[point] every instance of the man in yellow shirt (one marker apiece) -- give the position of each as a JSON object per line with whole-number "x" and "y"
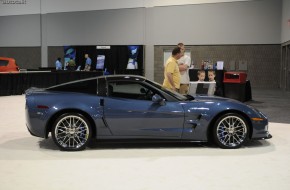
{"x": 171, "y": 70}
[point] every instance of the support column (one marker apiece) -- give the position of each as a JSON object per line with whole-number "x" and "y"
{"x": 43, "y": 34}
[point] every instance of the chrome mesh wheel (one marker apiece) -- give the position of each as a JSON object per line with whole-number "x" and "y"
{"x": 71, "y": 132}
{"x": 231, "y": 131}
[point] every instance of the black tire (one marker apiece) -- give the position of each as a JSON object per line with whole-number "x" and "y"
{"x": 231, "y": 131}
{"x": 71, "y": 132}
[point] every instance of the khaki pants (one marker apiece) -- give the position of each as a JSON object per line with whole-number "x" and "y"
{"x": 183, "y": 88}
{"x": 87, "y": 68}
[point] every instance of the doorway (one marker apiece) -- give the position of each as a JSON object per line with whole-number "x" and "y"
{"x": 285, "y": 67}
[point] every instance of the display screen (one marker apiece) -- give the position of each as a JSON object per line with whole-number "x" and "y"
{"x": 100, "y": 62}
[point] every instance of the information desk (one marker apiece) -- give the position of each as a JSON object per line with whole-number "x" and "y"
{"x": 17, "y": 83}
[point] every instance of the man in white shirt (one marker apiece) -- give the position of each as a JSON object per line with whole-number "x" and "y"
{"x": 184, "y": 64}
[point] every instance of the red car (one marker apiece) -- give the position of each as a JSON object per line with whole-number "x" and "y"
{"x": 8, "y": 65}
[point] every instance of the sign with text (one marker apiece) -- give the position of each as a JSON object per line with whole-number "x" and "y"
{"x": 103, "y": 47}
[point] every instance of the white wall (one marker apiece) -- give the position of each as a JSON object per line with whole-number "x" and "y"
{"x": 157, "y": 3}
{"x": 54, "y": 6}
{"x": 285, "y": 36}
{"x": 253, "y": 22}
{"x": 250, "y": 22}
{"x": 17, "y": 31}
{"x": 22, "y": 7}
{"x": 105, "y": 27}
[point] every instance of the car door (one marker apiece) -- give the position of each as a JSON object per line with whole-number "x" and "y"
{"x": 129, "y": 111}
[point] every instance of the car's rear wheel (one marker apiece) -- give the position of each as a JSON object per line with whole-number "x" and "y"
{"x": 71, "y": 132}
{"x": 231, "y": 131}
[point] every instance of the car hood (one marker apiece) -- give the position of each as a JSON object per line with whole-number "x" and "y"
{"x": 215, "y": 104}
{"x": 215, "y": 99}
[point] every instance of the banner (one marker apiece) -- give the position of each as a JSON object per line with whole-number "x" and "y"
{"x": 100, "y": 62}
{"x": 69, "y": 52}
{"x": 133, "y": 54}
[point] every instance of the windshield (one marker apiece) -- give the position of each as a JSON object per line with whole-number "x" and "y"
{"x": 178, "y": 96}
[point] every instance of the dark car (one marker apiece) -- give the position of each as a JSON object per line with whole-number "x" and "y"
{"x": 134, "y": 108}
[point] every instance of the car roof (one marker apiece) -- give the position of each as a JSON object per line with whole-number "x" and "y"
{"x": 125, "y": 77}
{"x": 106, "y": 77}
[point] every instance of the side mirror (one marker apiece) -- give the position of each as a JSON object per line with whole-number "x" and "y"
{"x": 143, "y": 91}
{"x": 158, "y": 99}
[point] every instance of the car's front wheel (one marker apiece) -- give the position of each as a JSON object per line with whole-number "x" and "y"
{"x": 71, "y": 132}
{"x": 231, "y": 131}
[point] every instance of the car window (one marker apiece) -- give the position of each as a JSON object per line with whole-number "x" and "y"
{"x": 170, "y": 92}
{"x": 4, "y": 62}
{"x": 130, "y": 90}
{"x": 84, "y": 86}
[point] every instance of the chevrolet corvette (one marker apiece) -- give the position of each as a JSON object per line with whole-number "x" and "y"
{"x": 127, "y": 107}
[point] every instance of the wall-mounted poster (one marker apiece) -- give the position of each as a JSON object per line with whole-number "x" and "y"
{"x": 100, "y": 62}
{"x": 133, "y": 54}
{"x": 243, "y": 65}
{"x": 69, "y": 52}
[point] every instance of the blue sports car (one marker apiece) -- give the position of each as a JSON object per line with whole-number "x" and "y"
{"x": 132, "y": 107}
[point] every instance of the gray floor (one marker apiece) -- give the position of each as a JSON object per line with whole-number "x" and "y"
{"x": 28, "y": 162}
{"x": 274, "y": 103}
